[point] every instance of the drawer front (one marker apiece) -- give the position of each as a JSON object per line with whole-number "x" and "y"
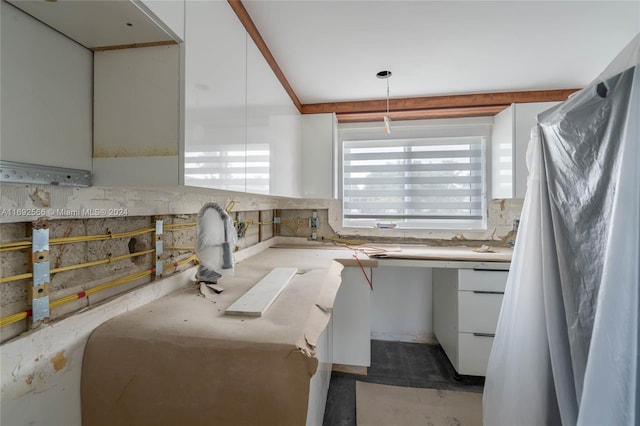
{"x": 474, "y": 354}
{"x": 478, "y": 312}
{"x": 470, "y": 279}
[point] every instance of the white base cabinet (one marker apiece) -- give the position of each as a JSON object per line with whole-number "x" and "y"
{"x": 466, "y": 306}
{"x": 351, "y": 323}
{"x": 319, "y": 385}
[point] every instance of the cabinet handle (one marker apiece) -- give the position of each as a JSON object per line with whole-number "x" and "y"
{"x": 481, "y": 269}
{"x": 484, "y": 335}
{"x": 487, "y": 292}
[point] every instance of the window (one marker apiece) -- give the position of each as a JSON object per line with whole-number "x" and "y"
{"x": 432, "y": 181}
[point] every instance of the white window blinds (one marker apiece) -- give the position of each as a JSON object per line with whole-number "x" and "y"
{"x": 412, "y": 182}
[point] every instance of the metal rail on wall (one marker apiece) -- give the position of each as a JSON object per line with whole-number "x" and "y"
{"x": 38, "y": 291}
{"x": 38, "y": 296}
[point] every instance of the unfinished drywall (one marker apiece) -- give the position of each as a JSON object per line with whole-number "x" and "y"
{"x": 296, "y": 213}
{"x": 130, "y": 231}
{"x": 77, "y": 212}
{"x": 300, "y": 223}
{"x": 178, "y": 239}
{"x": 61, "y": 202}
{"x": 253, "y": 227}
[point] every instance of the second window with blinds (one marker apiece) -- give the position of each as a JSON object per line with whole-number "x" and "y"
{"x": 428, "y": 174}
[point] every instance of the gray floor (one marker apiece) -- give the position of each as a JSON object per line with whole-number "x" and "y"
{"x": 399, "y": 364}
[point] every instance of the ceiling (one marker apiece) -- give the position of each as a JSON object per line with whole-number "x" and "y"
{"x": 331, "y": 50}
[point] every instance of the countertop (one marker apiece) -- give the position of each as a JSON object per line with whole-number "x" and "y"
{"x": 181, "y": 360}
{"x": 163, "y": 362}
{"x": 497, "y": 258}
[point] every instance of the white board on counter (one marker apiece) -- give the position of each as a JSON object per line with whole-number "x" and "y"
{"x": 257, "y": 300}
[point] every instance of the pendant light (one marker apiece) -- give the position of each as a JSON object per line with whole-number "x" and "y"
{"x": 385, "y": 75}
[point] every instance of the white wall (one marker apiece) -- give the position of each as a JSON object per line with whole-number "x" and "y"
{"x": 401, "y": 304}
{"x": 46, "y": 87}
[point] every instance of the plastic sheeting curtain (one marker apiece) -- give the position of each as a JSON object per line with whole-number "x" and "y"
{"x": 566, "y": 345}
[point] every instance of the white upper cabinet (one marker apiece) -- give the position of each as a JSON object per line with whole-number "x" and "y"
{"x": 319, "y": 138}
{"x": 502, "y": 155}
{"x": 273, "y": 131}
{"x": 242, "y": 131}
{"x": 206, "y": 112}
{"x": 168, "y": 14}
{"x": 46, "y": 94}
{"x": 215, "y": 97}
{"x": 97, "y": 24}
{"x": 509, "y": 141}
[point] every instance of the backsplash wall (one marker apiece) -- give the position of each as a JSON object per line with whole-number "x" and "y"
{"x": 177, "y": 207}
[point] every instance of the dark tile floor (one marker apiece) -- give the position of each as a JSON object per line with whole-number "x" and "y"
{"x": 399, "y": 364}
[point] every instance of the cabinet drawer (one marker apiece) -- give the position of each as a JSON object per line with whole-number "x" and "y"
{"x": 478, "y": 312}
{"x": 474, "y": 354}
{"x": 470, "y": 279}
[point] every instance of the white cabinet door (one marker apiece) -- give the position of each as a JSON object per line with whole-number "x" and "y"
{"x": 482, "y": 280}
{"x": 319, "y": 385}
{"x": 525, "y": 118}
{"x": 502, "y": 155}
{"x": 319, "y": 136}
{"x": 445, "y": 311}
{"x": 285, "y": 162}
{"x": 273, "y": 131}
{"x": 351, "y": 323}
{"x": 242, "y": 131}
{"x": 474, "y": 353}
{"x": 215, "y": 96}
{"x": 465, "y": 313}
{"x": 262, "y": 100}
{"x": 478, "y": 312}
{"x": 509, "y": 141}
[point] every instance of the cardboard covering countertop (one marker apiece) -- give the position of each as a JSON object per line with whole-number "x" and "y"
{"x": 181, "y": 360}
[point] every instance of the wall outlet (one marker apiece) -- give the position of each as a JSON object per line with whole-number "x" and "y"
{"x": 314, "y": 220}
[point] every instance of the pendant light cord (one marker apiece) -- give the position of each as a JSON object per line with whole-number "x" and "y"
{"x": 386, "y": 75}
{"x": 387, "y": 97}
